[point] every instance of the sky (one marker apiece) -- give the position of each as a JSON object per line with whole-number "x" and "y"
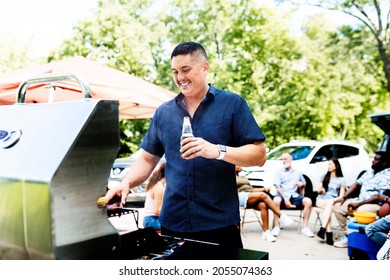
{"x": 42, "y": 24}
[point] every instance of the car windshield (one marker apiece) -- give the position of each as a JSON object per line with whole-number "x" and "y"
{"x": 297, "y": 152}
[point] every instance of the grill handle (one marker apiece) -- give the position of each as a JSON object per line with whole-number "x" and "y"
{"x": 46, "y": 78}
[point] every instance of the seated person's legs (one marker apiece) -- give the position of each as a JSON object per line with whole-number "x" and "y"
{"x": 305, "y": 202}
{"x": 325, "y": 229}
{"x": 152, "y": 221}
{"x": 307, "y": 206}
{"x": 378, "y": 230}
{"x": 264, "y": 215}
{"x": 254, "y": 198}
{"x": 255, "y": 201}
{"x": 257, "y": 197}
{"x": 278, "y": 201}
{"x": 374, "y": 208}
{"x": 276, "y": 230}
{"x": 327, "y": 205}
{"x": 341, "y": 212}
{"x": 243, "y": 199}
{"x": 266, "y": 235}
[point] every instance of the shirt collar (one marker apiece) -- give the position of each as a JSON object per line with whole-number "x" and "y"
{"x": 210, "y": 94}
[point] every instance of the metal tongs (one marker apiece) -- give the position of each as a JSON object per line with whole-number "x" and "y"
{"x": 116, "y": 209}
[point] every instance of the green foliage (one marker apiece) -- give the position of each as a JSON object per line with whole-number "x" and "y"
{"x": 131, "y": 135}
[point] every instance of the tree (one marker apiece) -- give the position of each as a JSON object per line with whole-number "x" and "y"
{"x": 373, "y": 14}
{"x": 352, "y": 88}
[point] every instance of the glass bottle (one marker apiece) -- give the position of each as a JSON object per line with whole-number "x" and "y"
{"x": 187, "y": 129}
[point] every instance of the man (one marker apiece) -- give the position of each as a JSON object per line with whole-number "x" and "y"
{"x": 370, "y": 184}
{"x": 290, "y": 186}
{"x": 201, "y": 199}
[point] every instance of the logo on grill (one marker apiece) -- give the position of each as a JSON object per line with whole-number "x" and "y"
{"x": 9, "y": 138}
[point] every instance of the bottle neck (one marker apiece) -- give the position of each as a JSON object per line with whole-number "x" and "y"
{"x": 187, "y": 129}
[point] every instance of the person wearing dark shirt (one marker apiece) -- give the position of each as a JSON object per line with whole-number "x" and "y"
{"x": 200, "y": 199}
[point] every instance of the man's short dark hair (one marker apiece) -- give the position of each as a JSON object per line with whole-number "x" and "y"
{"x": 189, "y": 48}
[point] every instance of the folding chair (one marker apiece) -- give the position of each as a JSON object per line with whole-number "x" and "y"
{"x": 244, "y": 221}
{"x": 298, "y": 217}
{"x": 318, "y": 212}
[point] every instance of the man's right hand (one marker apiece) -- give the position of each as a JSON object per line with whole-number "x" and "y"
{"x": 288, "y": 204}
{"x": 121, "y": 191}
{"x": 142, "y": 167}
{"x": 340, "y": 199}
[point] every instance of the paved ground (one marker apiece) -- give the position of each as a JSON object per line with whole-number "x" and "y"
{"x": 289, "y": 244}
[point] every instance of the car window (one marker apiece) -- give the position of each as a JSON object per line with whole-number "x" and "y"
{"x": 297, "y": 152}
{"x": 323, "y": 154}
{"x": 385, "y": 146}
{"x": 343, "y": 151}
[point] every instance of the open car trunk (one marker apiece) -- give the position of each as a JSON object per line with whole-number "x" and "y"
{"x": 383, "y": 121}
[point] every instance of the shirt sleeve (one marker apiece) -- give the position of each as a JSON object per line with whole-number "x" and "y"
{"x": 302, "y": 179}
{"x": 151, "y": 142}
{"x": 245, "y": 125}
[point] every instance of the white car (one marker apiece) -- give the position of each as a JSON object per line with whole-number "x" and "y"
{"x": 311, "y": 158}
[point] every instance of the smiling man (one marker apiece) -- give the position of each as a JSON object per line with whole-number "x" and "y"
{"x": 200, "y": 200}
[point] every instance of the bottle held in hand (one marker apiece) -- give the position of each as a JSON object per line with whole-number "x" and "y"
{"x": 187, "y": 129}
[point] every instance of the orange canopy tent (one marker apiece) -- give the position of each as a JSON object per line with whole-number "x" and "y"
{"x": 138, "y": 99}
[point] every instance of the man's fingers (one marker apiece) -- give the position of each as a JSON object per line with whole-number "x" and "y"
{"x": 124, "y": 197}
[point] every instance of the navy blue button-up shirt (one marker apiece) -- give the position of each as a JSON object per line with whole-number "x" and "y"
{"x": 201, "y": 194}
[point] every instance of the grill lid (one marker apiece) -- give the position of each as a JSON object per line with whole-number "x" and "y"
{"x": 55, "y": 161}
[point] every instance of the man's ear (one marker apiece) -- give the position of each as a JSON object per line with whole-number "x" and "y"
{"x": 205, "y": 67}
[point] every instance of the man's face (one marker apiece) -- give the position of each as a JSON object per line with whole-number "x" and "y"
{"x": 190, "y": 73}
{"x": 377, "y": 163}
{"x": 286, "y": 159}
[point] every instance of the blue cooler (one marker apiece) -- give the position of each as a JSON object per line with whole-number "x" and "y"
{"x": 359, "y": 245}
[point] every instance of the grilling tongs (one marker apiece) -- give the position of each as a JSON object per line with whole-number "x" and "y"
{"x": 115, "y": 208}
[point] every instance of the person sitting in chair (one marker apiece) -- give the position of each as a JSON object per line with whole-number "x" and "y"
{"x": 371, "y": 183}
{"x": 333, "y": 185}
{"x": 290, "y": 187}
{"x": 258, "y": 199}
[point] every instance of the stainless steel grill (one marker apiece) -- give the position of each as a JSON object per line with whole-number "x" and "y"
{"x": 55, "y": 161}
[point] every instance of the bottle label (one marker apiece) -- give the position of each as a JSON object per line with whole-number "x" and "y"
{"x": 185, "y": 135}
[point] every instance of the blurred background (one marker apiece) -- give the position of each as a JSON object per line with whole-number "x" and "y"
{"x": 308, "y": 69}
